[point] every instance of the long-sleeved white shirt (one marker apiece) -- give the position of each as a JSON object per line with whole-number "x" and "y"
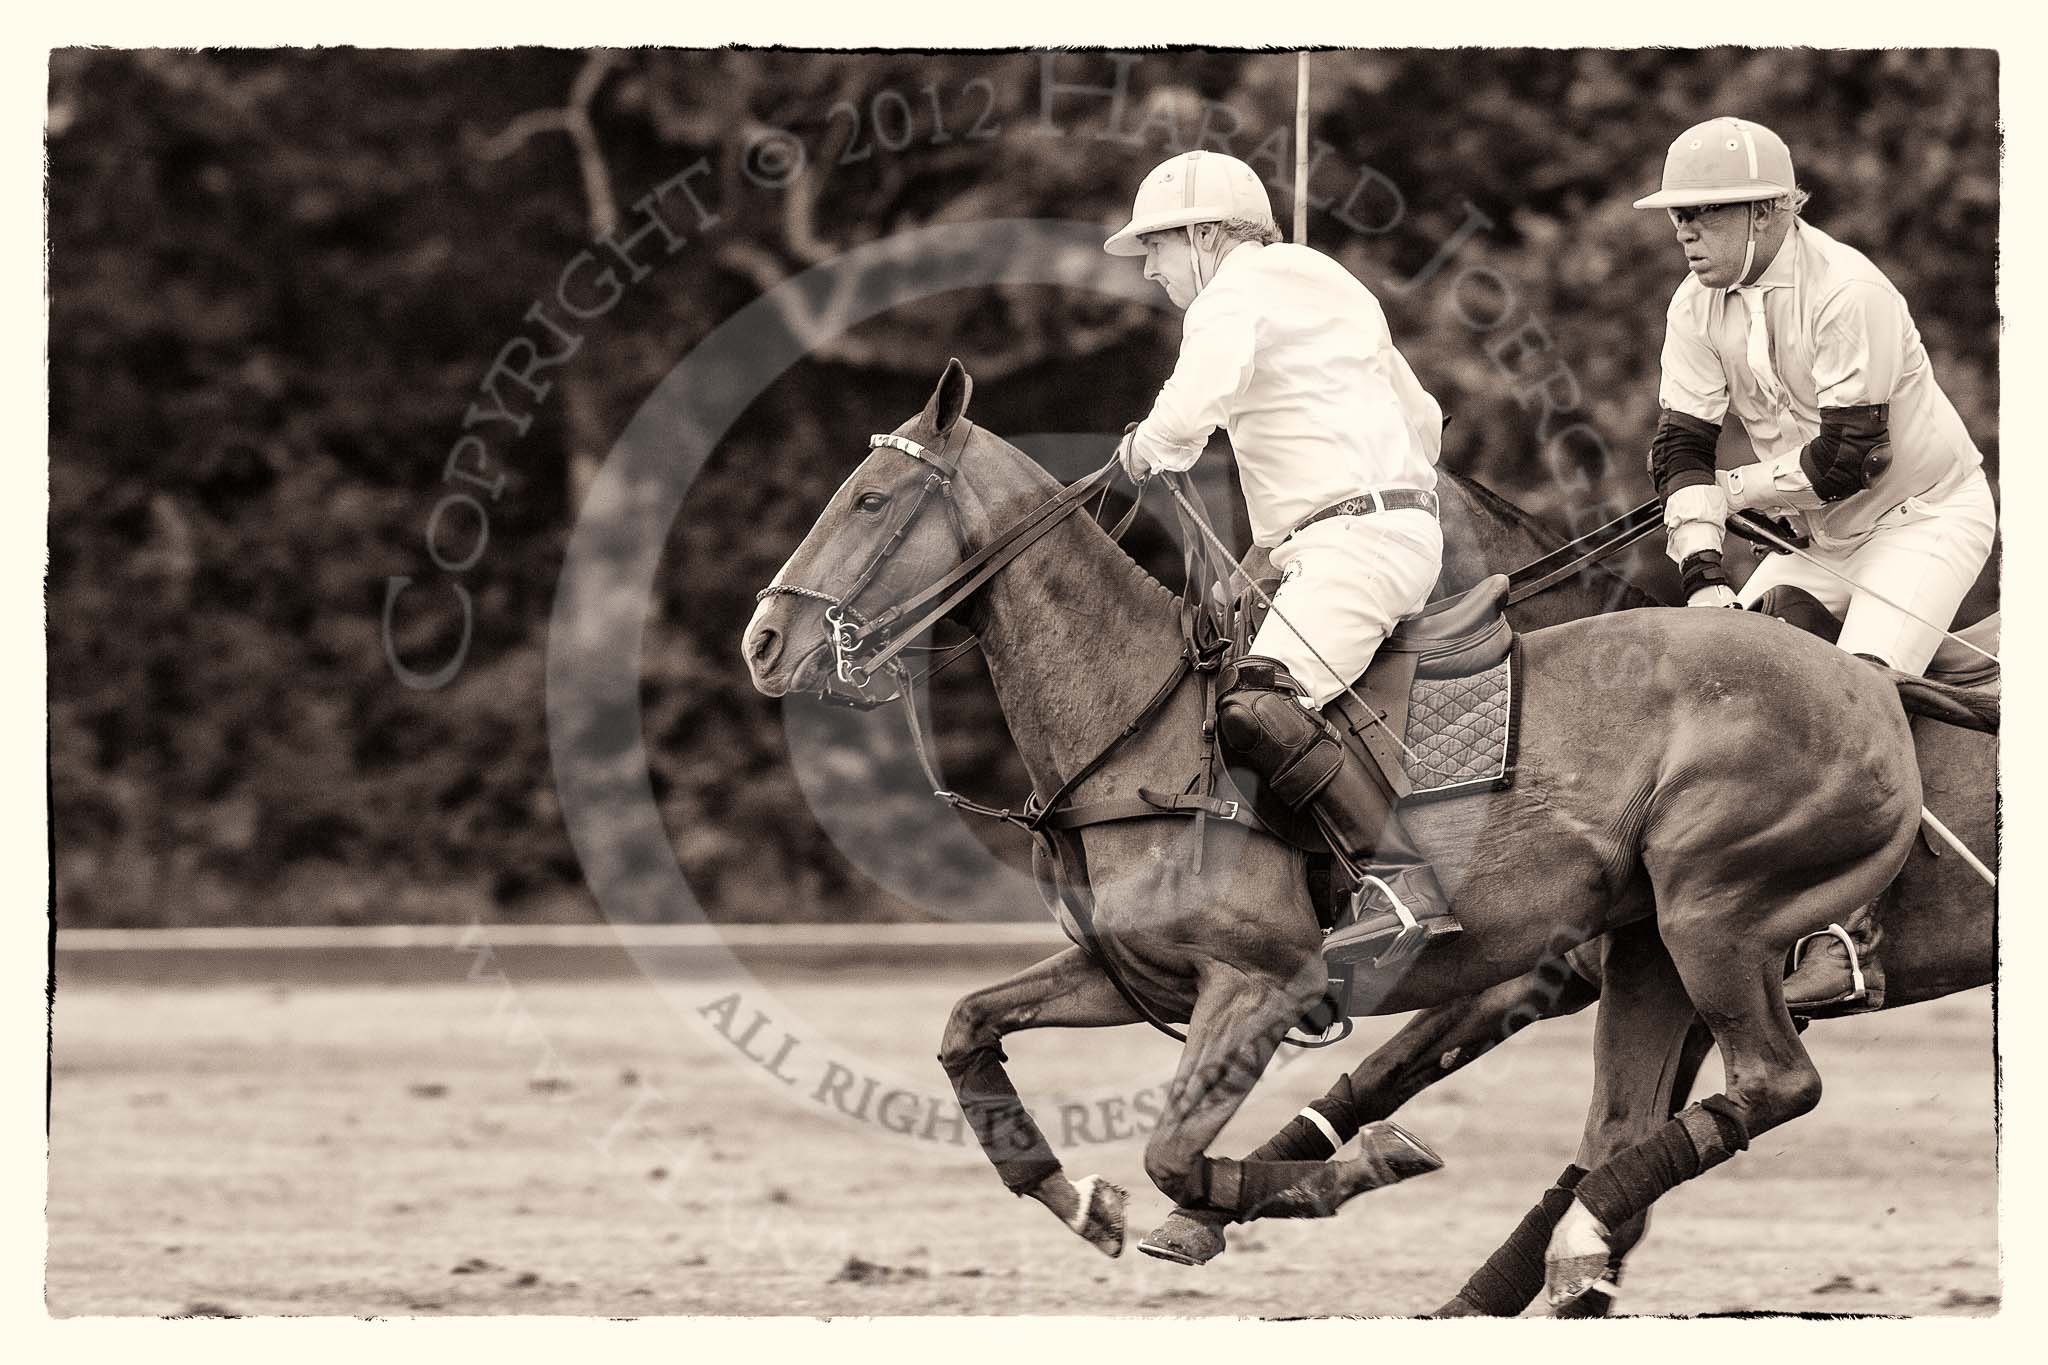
{"x": 1292, "y": 356}
{"x": 1840, "y": 336}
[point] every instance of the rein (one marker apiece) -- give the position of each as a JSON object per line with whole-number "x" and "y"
{"x": 1590, "y": 548}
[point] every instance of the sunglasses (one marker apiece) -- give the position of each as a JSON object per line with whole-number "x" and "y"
{"x": 1682, "y": 216}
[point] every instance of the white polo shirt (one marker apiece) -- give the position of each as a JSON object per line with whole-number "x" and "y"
{"x": 1841, "y": 336}
{"x": 1291, "y": 355}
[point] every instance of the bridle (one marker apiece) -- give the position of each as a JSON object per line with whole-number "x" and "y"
{"x": 849, "y": 631}
{"x": 863, "y": 646}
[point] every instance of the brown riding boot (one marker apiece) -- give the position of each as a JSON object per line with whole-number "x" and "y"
{"x": 1264, "y": 726}
{"x": 1837, "y": 971}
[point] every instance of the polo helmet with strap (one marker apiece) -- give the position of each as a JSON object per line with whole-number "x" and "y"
{"x": 1194, "y": 187}
{"x": 1723, "y": 161}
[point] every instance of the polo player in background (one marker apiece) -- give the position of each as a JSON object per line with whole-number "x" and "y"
{"x": 1857, "y": 445}
{"x": 1336, "y": 446}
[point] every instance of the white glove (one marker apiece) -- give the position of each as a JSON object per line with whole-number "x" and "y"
{"x": 1713, "y": 595}
{"x": 1127, "y": 455}
{"x": 1737, "y": 484}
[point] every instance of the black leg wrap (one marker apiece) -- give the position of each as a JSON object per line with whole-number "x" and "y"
{"x": 1698, "y": 1138}
{"x": 1513, "y": 1275}
{"x": 1275, "y": 1189}
{"x": 1253, "y": 1188}
{"x": 1009, "y": 1136}
{"x": 1303, "y": 1140}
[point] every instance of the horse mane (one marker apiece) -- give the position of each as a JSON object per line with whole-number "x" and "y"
{"x": 1141, "y": 579}
{"x": 1539, "y": 531}
{"x": 1544, "y": 535}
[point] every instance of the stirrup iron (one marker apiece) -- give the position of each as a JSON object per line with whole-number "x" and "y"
{"x": 1411, "y": 937}
{"x": 1858, "y": 988}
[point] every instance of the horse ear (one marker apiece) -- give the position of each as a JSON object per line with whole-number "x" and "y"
{"x": 949, "y": 399}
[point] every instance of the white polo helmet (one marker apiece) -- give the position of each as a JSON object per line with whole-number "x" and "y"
{"x": 1194, "y": 187}
{"x": 1723, "y": 161}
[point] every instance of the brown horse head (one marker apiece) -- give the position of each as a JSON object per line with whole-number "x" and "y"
{"x": 893, "y": 527}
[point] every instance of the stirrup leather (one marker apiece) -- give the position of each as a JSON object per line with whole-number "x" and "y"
{"x": 1857, "y": 987}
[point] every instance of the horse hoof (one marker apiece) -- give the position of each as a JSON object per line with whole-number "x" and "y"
{"x": 1596, "y": 1300}
{"x": 1387, "y": 1155}
{"x": 1457, "y": 1308}
{"x": 1405, "y": 1154}
{"x": 1185, "y": 1239}
{"x": 1575, "y": 1265}
{"x": 1099, "y": 1215}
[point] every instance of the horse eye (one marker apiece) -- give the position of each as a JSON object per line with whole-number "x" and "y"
{"x": 871, "y": 502}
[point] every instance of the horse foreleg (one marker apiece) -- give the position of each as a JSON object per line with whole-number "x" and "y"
{"x": 1433, "y": 1045}
{"x": 1066, "y": 991}
{"x": 1233, "y": 1034}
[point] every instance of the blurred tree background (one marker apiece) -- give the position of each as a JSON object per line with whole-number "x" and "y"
{"x": 278, "y": 280}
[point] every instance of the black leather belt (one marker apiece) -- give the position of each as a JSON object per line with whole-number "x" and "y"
{"x": 1391, "y": 500}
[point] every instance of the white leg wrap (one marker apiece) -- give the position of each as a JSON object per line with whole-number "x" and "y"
{"x": 1323, "y": 1125}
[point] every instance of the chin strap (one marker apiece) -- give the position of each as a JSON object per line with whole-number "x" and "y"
{"x": 1195, "y": 258}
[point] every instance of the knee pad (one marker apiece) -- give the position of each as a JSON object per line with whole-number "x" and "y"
{"x": 1798, "y": 607}
{"x": 1264, "y": 728}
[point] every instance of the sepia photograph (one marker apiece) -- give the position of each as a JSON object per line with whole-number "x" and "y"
{"x": 1163, "y": 682}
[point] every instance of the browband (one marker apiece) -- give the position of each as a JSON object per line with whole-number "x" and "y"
{"x": 914, "y": 451}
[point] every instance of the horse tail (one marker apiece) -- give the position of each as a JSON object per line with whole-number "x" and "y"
{"x": 1972, "y": 708}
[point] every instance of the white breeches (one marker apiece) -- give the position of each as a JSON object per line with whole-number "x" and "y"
{"x": 1346, "y": 582}
{"x": 1924, "y": 555}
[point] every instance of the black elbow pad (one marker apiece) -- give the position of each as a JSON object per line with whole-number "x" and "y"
{"x": 1852, "y": 451}
{"x": 1682, "y": 452}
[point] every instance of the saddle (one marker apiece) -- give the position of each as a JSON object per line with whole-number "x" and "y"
{"x": 1435, "y": 710}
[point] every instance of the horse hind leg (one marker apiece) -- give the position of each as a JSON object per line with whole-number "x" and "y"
{"x": 1740, "y": 872}
{"x": 1645, "y": 1061}
{"x": 1731, "y": 966}
{"x": 1639, "y": 1067}
{"x": 1699, "y": 1041}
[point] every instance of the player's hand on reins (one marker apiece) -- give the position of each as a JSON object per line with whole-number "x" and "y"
{"x": 1127, "y": 455}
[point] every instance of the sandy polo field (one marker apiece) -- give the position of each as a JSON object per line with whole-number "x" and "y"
{"x": 530, "y": 1142}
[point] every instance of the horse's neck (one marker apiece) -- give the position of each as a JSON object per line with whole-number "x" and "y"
{"x": 1485, "y": 534}
{"x": 1076, "y": 635}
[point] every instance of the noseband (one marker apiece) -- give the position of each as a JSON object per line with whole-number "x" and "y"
{"x": 850, "y": 632}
